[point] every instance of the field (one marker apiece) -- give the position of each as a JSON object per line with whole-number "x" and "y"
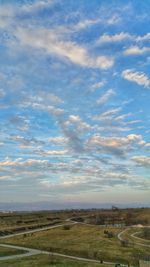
{"x": 46, "y": 261}
{"x": 91, "y": 241}
{"x": 9, "y": 251}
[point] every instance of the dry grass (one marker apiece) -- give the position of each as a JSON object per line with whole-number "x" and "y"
{"x": 81, "y": 240}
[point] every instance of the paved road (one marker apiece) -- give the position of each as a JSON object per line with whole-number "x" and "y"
{"x": 132, "y": 235}
{"x": 139, "y": 238}
{"x": 121, "y": 233}
{"x": 31, "y": 252}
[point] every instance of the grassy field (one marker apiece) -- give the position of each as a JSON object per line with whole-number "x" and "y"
{"x": 9, "y": 251}
{"x": 47, "y": 261}
{"x": 16, "y": 220}
{"x": 82, "y": 240}
{"x": 25, "y": 220}
{"x": 127, "y": 235}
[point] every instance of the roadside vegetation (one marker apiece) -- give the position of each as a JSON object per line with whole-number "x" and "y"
{"x": 10, "y": 251}
{"x": 47, "y": 261}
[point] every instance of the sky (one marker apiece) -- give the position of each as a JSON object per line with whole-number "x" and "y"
{"x": 74, "y": 101}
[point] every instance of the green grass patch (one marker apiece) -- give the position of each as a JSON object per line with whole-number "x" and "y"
{"x": 9, "y": 251}
{"x": 47, "y": 261}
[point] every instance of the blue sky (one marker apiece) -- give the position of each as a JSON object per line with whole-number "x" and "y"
{"x": 74, "y": 101}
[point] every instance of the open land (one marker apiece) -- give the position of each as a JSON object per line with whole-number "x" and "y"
{"x": 102, "y": 235}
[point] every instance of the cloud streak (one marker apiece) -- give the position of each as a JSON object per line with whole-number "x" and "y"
{"x": 52, "y": 44}
{"x": 137, "y": 77}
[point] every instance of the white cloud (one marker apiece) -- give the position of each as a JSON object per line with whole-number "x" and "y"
{"x": 115, "y": 19}
{"x": 85, "y": 24}
{"x": 135, "y": 50}
{"x": 37, "y": 5}
{"x": 50, "y": 42}
{"x": 145, "y": 37}
{"x": 105, "y": 38}
{"x": 136, "y": 138}
{"x": 142, "y": 161}
{"x": 19, "y": 162}
{"x": 74, "y": 118}
{"x": 77, "y": 122}
{"x": 111, "y": 128}
{"x": 116, "y": 145}
{"x": 97, "y": 85}
{"x": 5, "y": 177}
{"x": 138, "y": 77}
{"x": 107, "y": 114}
{"x": 55, "y": 152}
{"x": 46, "y": 96}
{"x": 57, "y": 139}
{"x": 51, "y": 109}
{"x": 105, "y": 97}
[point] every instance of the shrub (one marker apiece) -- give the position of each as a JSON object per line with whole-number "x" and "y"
{"x": 67, "y": 227}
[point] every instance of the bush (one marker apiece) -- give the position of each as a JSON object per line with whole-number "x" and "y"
{"x": 108, "y": 234}
{"x": 67, "y": 227}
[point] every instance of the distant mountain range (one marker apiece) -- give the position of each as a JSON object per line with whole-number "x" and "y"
{"x": 60, "y": 206}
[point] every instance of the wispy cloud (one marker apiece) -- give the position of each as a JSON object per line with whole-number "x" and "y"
{"x": 137, "y": 77}
{"x": 52, "y": 44}
{"x": 118, "y": 146}
{"x": 97, "y": 85}
{"x": 69, "y": 121}
{"x": 142, "y": 161}
{"x": 107, "y": 114}
{"x": 34, "y": 6}
{"x": 105, "y": 97}
{"x": 105, "y": 38}
{"x": 83, "y": 24}
{"x": 135, "y": 50}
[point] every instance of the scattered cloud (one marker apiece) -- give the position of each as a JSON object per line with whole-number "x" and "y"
{"x": 51, "y": 43}
{"x": 145, "y": 37}
{"x": 35, "y": 6}
{"x": 98, "y": 85}
{"x": 142, "y": 161}
{"x": 135, "y": 50}
{"x": 118, "y": 146}
{"x": 138, "y": 77}
{"x": 64, "y": 131}
{"x": 55, "y": 152}
{"x": 83, "y": 24}
{"x": 51, "y": 109}
{"x": 105, "y": 38}
{"x": 107, "y": 114}
{"x": 105, "y": 97}
{"x": 58, "y": 139}
{"x": 20, "y": 163}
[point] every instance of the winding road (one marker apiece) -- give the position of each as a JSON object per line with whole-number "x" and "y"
{"x": 32, "y": 252}
{"x": 134, "y": 236}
